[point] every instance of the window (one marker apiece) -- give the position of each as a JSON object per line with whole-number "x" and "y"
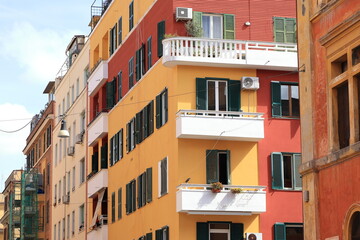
{"x": 144, "y": 125}
{"x": 131, "y": 15}
{"x": 130, "y": 135}
{"x": 48, "y": 136}
{"x": 59, "y": 191}
{"x": 54, "y": 231}
{"x": 86, "y": 75}
{"x": 104, "y": 156}
{"x": 55, "y": 192}
{"x": 285, "y": 173}
{"x": 59, "y": 230}
{"x": 60, "y": 151}
{"x": 131, "y": 197}
{"x": 215, "y": 25}
{"x": 95, "y": 162}
{"x": 63, "y": 228}
{"x": 73, "y": 223}
{"x": 82, "y": 171}
{"x": 149, "y": 52}
{"x": 356, "y": 56}
{"x": 72, "y": 94}
{"x": 218, "y": 94}
{"x": 148, "y": 236}
{"x": 218, "y": 166}
{"x": 131, "y": 72}
{"x": 77, "y": 87}
{"x": 288, "y": 231}
{"x": 284, "y": 30}
{"x": 140, "y": 63}
{"x": 110, "y": 93}
{"x": 163, "y": 177}
{"x": 144, "y": 188}
{"x": 113, "y": 207}
{"x": 68, "y": 227}
{"x": 160, "y": 36}
{"x": 48, "y": 173}
{"x": 73, "y": 179}
{"x": 67, "y": 101}
{"x": 47, "y": 211}
{"x": 81, "y": 217}
{"x": 161, "y": 108}
{"x": 162, "y": 234}
{"x": 119, "y": 203}
{"x": 68, "y": 183}
{"x": 113, "y": 40}
{"x": 64, "y": 185}
{"x": 120, "y": 31}
{"x": 56, "y": 154}
{"x": 116, "y": 147}
{"x": 219, "y": 231}
{"x": 355, "y": 226}
{"x": 119, "y": 86}
{"x": 285, "y": 99}
{"x": 343, "y": 129}
{"x": 82, "y": 122}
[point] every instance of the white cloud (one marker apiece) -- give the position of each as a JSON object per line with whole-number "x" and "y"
{"x": 12, "y": 144}
{"x": 39, "y": 52}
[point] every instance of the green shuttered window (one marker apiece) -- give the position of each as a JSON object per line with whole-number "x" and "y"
{"x": 161, "y": 108}
{"x": 285, "y": 99}
{"x": 204, "y": 230}
{"x": 162, "y": 234}
{"x": 232, "y": 94}
{"x": 285, "y": 171}
{"x": 113, "y": 207}
{"x": 119, "y": 203}
{"x": 160, "y": 36}
{"x": 284, "y": 30}
{"x": 283, "y": 231}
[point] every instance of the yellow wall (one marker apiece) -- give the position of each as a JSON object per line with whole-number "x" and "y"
{"x": 99, "y": 38}
{"x": 186, "y": 157}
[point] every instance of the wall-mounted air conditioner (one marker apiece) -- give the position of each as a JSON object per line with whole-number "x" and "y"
{"x": 253, "y": 236}
{"x": 183, "y": 13}
{"x": 79, "y": 138}
{"x": 250, "y": 83}
{"x": 66, "y": 199}
{"x": 71, "y": 151}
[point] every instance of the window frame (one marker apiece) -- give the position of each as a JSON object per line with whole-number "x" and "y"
{"x": 280, "y": 229}
{"x": 276, "y": 104}
{"x": 210, "y": 154}
{"x": 162, "y": 106}
{"x": 131, "y": 15}
{"x": 163, "y": 186}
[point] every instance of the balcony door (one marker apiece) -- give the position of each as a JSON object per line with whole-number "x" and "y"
{"x": 218, "y": 166}
{"x": 212, "y": 26}
{"x": 217, "y": 95}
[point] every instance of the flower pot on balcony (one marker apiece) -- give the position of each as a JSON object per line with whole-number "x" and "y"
{"x": 216, "y": 187}
{"x": 215, "y": 190}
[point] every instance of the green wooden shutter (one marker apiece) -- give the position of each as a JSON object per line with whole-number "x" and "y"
{"x": 148, "y": 185}
{"x": 236, "y": 231}
{"x": 160, "y": 35}
{"x": 103, "y": 156}
{"x": 197, "y": 20}
{"x": 297, "y": 178}
{"x": 167, "y": 233}
{"x": 279, "y": 231}
{"x": 212, "y": 173}
{"x": 119, "y": 203}
{"x": 158, "y": 111}
{"x": 228, "y": 166}
{"x": 149, "y": 236}
{"x": 128, "y": 198}
{"x": 113, "y": 207}
{"x": 279, "y": 29}
{"x": 202, "y": 231}
{"x": 119, "y": 87}
{"x": 110, "y": 151}
{"x": 138, "y": 128}
{"x": 158, "y": 234}
{"x": 234, "y": 95}
{"x": 163, "y": 171}
{"x": 276, "y": 99}
{"x": 128, "y": 137}
{"x": 121, "y": 141}
{"x": 166, "y": 103}
{"x": 109, "y": 95}
{"x": 290, "y": 30}
{"x": 229, "y": 26}
{"x": 137, "y": 65}
{"x": 139, "y": 195}
{"x": 201, "y": 93}
{"x": 145, "y": 127}
{"x": 133, "y": 185}
{"x": 277, "y": 172}
{"x": 151, "y": 118}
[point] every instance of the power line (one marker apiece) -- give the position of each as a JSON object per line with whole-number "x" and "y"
{"x": 17, "y": 130}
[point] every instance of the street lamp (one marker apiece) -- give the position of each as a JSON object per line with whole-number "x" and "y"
{"x": 63, "y": 133}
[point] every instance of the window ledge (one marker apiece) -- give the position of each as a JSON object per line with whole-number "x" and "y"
{"x": 287, "y": 118}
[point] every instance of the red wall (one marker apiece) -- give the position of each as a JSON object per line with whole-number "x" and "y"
{"x": 281, "y": 135}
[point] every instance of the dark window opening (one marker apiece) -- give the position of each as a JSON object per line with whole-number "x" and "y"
{"x": 355, "y": 226}
{"x": 339, "y": 66}
{"x": 356, "y": 55}
{"x": 343, "y": 115}
{"x": 287, "y": 169}
{"x": 223, "y": 168}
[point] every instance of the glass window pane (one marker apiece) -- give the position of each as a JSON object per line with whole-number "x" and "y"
{"x": 211, "y": 95}
{"x": 294, "y": 233}
{"x": 295, "y": 101}
{"x": 218, "y": 236}
{"x": 287, "y": 171}
{"x": 222, "y": 96}
{"x": 285, "y": 100}
{"x": 206, "y": 26}
{"x": 217, "y": 27}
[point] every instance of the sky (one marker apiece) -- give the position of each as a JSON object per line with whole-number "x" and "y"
{"x": 33, "y": 39}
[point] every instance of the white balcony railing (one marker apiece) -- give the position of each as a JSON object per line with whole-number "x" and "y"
{"x": 97, "y": 128}
{"x": 229, "y": 53}
{"x": 100, "y": 233}
{"x": 199, "y": 199}
{"x": 97, "y": 77}
{"x": 220, "y": 125}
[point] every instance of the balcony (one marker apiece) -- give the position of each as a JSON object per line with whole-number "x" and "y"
{"x": 97, "y": 128}
{"x": 100, "y": 233}
{"x": 229, "y": 53}
{"x": 198, "y": 199}
{"x": 97, "y": 182}
{"x": 220, "y": 125}
{"x": 97, "y": 77}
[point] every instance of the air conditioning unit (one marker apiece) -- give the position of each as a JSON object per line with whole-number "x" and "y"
{"x": 183, "y": 13}
{"x": 103, "y": 220}
{"x": 71, "y": 151}
{"x": 253, "y": 236}
{"x": 66, "y": 199}
{"x": 250, "y": 83}
{"x": 79, "y": 138}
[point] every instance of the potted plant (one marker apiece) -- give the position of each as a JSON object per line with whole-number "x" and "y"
{"x": 236, "y": 190}
{"x": 216, "y": 187}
